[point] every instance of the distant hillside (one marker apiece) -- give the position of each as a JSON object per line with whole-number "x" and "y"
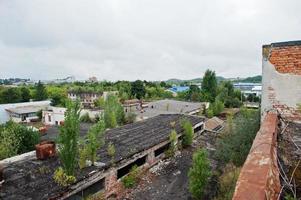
{"x": 253, "y": 79}
{"x": 175, "y": 81}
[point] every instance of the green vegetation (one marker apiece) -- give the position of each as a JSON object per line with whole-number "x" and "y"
{"x": 209, "y": 86}
{"x": 16, "y": 139}
{"x": 93, "y": 141}
{"x": 114, "y": 113}
{"x": 69, "y": 137}
{"x": 227, "y": 182}
{"x": 253, "y": 79}
{"x": 131, "y": 179}
{"x": 130, "y": 118}
{"x": 111, "y": 149}
{"x": 138, "y": 89}
{"x": 235, "y": 144}
{"x": 199, "y": 173}
{"x": 215, "y": 108}
{"x": 85, "y": 118}
{"x": 188, "y": 133}
{"x": 40, "y": 93}
{"x": 61, "y": 178}
{"x": 172, "y": 144}
{"x": 14, "y": 94}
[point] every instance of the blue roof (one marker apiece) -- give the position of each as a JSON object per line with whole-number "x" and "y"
{"x": 179, "y": 88}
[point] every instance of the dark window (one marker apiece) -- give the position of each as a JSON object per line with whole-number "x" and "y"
{"x": 161, "y": 150}
{"x": 99, "y": 186}
{"x": 126, "y": 169}
{"x": 198, "y": 128}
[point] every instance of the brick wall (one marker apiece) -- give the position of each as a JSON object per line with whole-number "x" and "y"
{"x": 286, "y": 59}
{"x": 259, "y": 177}
{"x": 281, "y": 81}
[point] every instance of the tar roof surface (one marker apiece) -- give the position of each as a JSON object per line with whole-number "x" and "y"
{"x": 168, "y": 106}
{"x": 32, "y": 179}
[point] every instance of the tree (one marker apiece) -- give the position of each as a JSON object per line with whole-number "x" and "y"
{"x": 41, "y": 93}
{"x": 199, "y": 174}
{"x": 95, "y": 139}
{"x": 25, "y": 94}
{"x": 16, "y": 139}
{"x": 194, "y": 93}
{"x": 11, "y": 95}
{"x": 68, "y": 138}
{"x": 209, "y": 86}
{"x": 188, "y": 133}
{"x": 138, "y": 89}
{"x": 113, "y": 112}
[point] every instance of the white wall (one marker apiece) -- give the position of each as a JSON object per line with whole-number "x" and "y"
{"x": 4, "y": 115}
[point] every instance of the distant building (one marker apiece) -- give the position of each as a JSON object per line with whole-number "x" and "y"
{"x": 21, "y": 112}
{"x": 56, "y": 115}
{"x": 53, "y": 115}
{"x": 175, "y": 89}
{"x": 249, "y": 88}
{"x": 93, "y": 79}
{"x": 214, "y": 124}
{"x": 167, "y": 106}
{"x": 87, "y": 99}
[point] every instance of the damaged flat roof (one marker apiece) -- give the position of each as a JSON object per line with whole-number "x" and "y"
{"x": 33, "y": 179}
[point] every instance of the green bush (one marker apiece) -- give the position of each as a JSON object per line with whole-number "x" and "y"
{"x": 16, "y": 139}
{"x": 173, "y": 144}
{"x": 132, "y": 178}
{"x": 227, "y": 182}
{"x": 94, "y": 140}
{"x": 199, "y": 174}
{"x": 61, "y": 178}
{"x": 188, "y": 133}
{"x": 234, "y": 146}
{"x": 210, "y": 113}
{"x": 86, "y": 118}
{"x": 113, "y": 112}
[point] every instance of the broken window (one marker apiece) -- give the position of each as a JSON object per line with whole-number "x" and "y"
{"x": 93, "y": 190}
{"x": 198, "y": 128}
{"x": 126, "y": 169}
{"x": 161, "y": 150}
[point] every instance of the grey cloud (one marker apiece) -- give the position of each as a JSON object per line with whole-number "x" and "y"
{"x": 146, "y": 39}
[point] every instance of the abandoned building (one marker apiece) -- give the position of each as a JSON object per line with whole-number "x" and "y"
{"x": 214, "y": 124}
{"x": 86, "y": 98}
{"x": 169, "y": 106}
{"x": 272, "y": 168}
{"x": 142, "y": 143}
{"x": 21, "y": 112}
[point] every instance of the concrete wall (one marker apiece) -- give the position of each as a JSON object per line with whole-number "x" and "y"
{"x": 4, "y": 115}
{"x": 281, "y": 81}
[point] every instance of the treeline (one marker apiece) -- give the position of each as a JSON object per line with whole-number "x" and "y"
{"x": 23, "y": 94}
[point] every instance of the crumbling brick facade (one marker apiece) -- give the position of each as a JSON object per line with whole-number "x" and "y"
{"x": 286, "y": 59}
{"x": 281, "y": 82}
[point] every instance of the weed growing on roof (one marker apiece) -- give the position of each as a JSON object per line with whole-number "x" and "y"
{"x": 173, "y": 144}
{"x": 199, "y": 173}
{"x": 68, "y": 138}
{"x": 188, "y": 133}
{"x": 61, "y": 178}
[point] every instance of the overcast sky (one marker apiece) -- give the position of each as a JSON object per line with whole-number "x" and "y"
{"x": 141, "y": 39}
